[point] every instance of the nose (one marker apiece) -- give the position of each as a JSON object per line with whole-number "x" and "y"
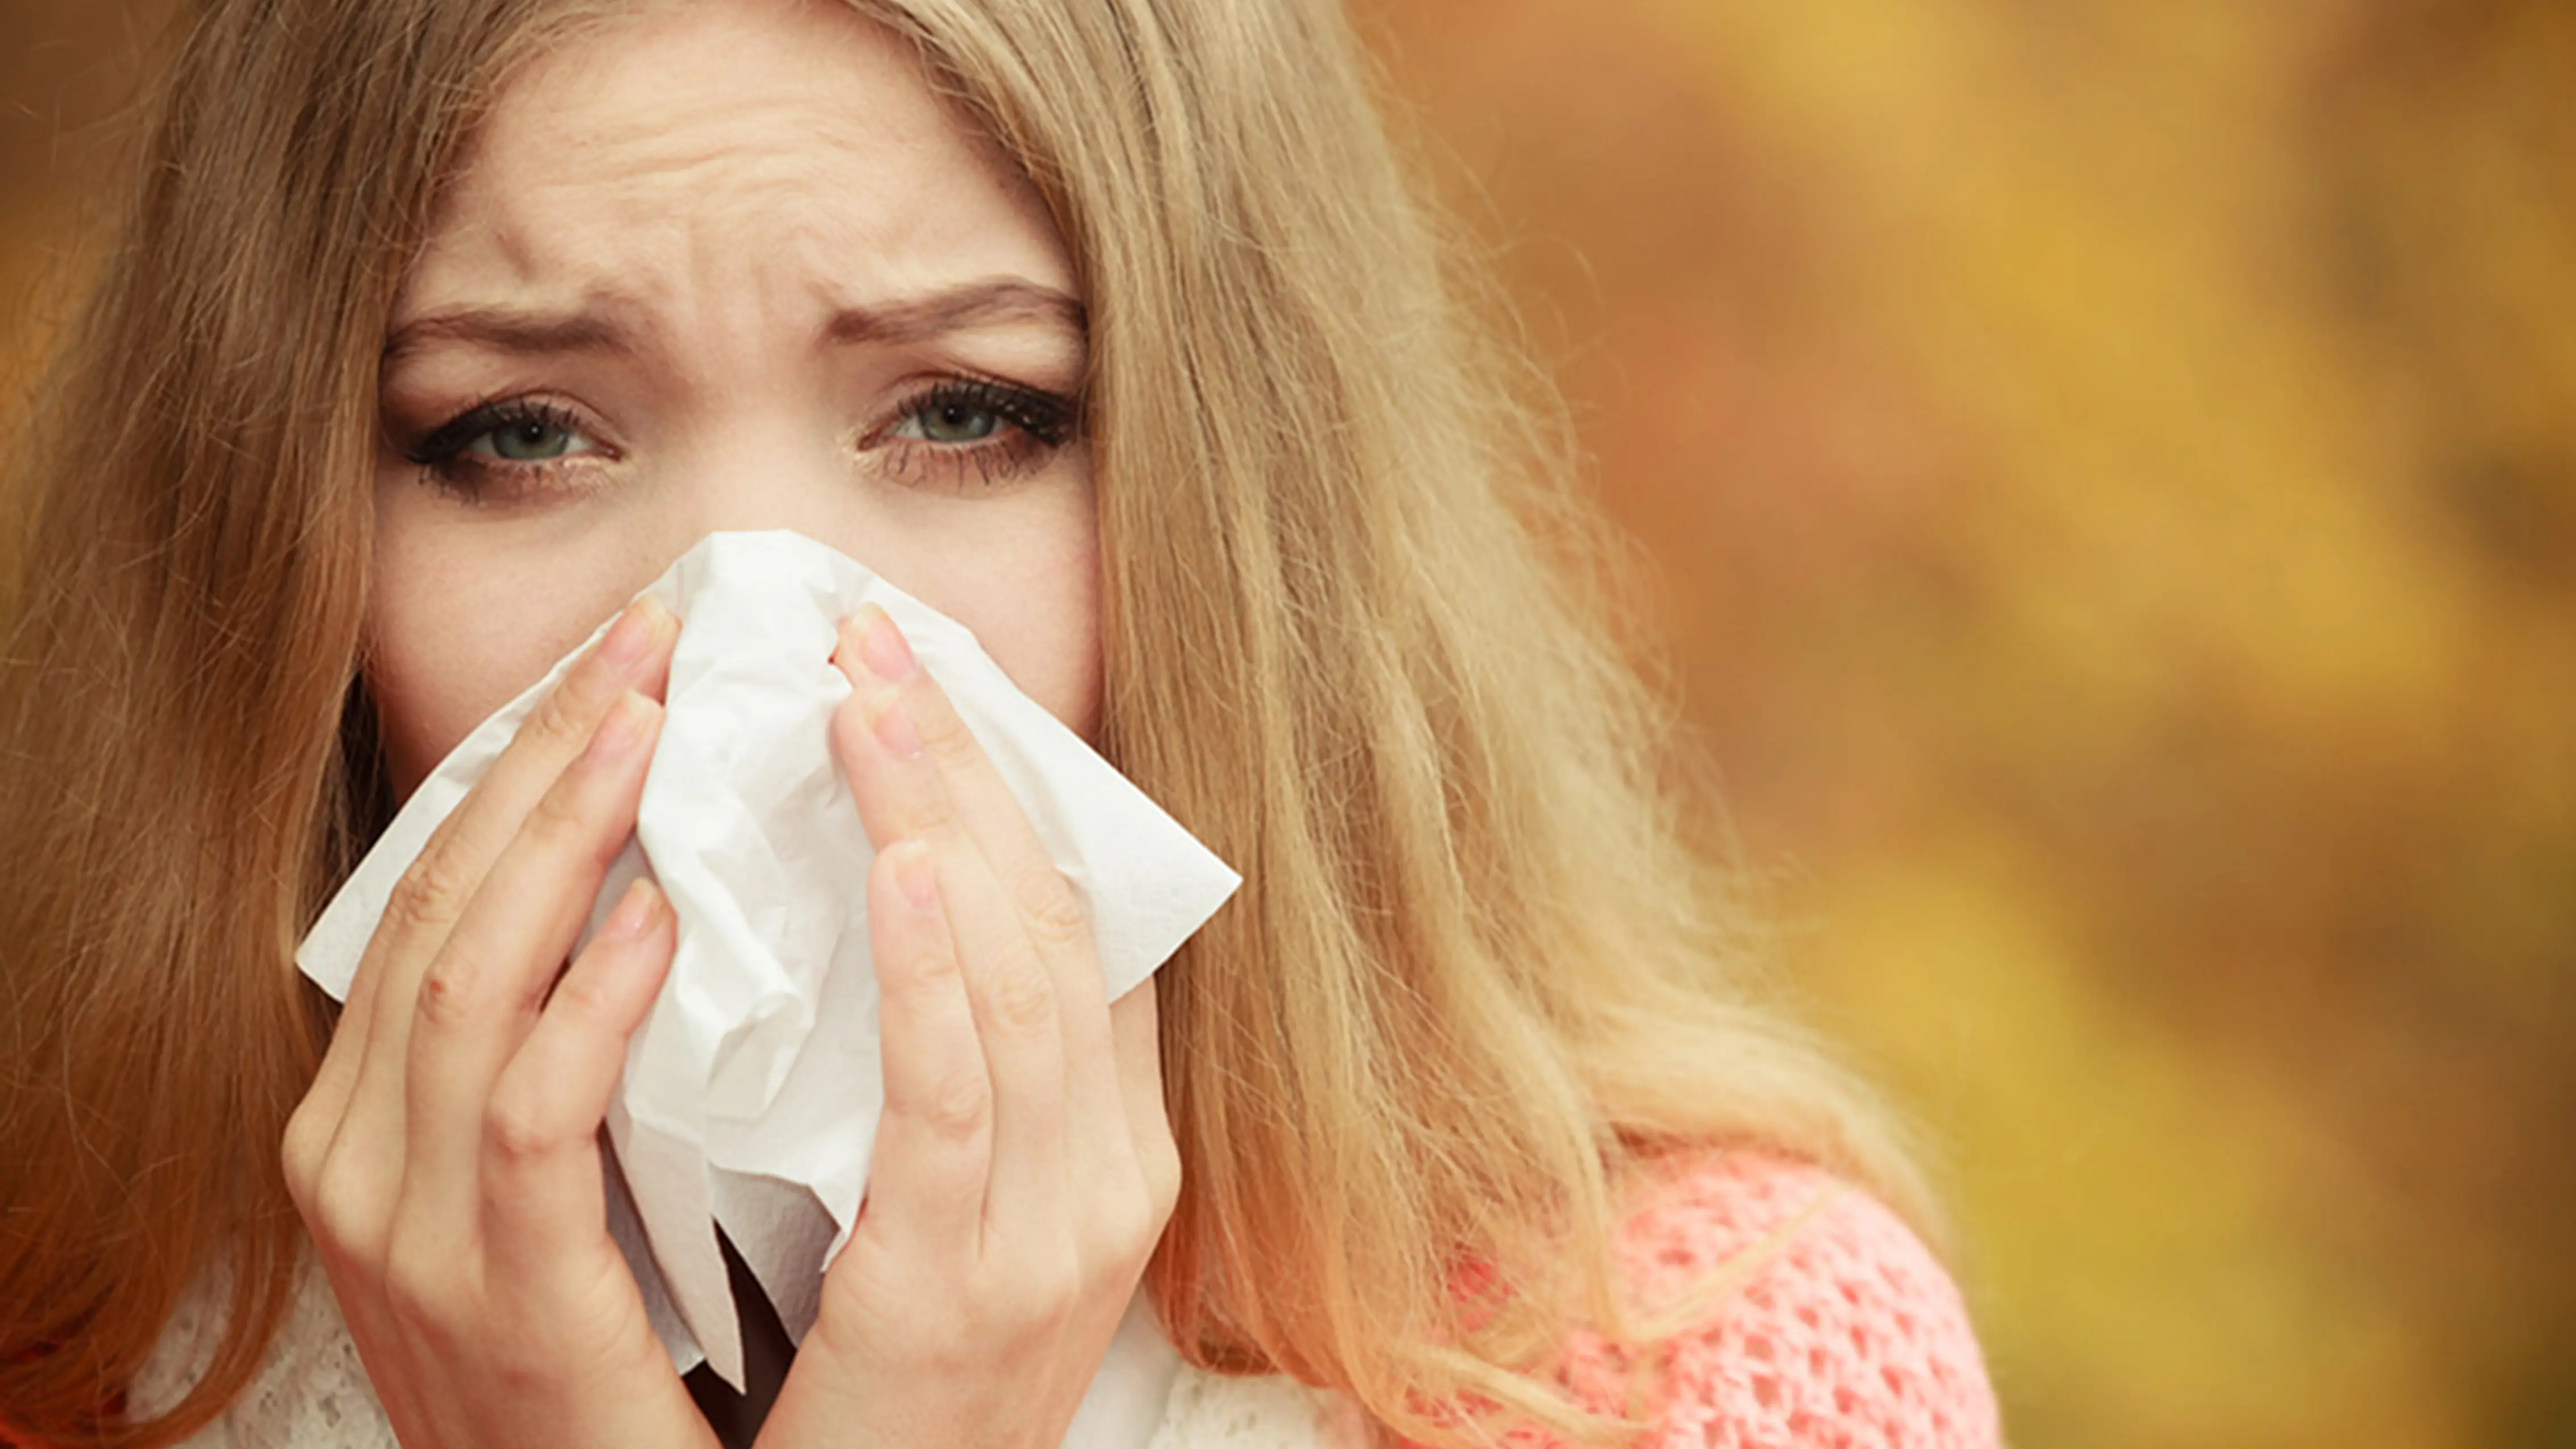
{"x": 767, "y": 471}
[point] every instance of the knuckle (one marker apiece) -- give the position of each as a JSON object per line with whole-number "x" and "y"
{"x": 339, "y": 1210}
{"x": 1050, "y": 906}
{"x": 416, "y": 1287}
{"x": 517, "y": 1132}
{"x": 931, "y": 814}
{"x": 1019, "y": 994}
{"x": 930, "y": 970}
{"x": 849, "y": 727}
{"x": 560, "y": 820}
{"x": 582, "y": 996}
{"x": 450, "y": 990}
{"x": 300, "y": 1152}
{"x": 327, "y": 1220}
{"x": 429, "y": 897}
{"x": 563, "y": 719}
{"x": 337, "y": 1180}
{"x": 334, "y": 1228}
{"x": 944, "y": 736}
{"x": 956, "y": 1108}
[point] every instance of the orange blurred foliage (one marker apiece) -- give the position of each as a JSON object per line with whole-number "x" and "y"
{"x": 2110, "y": 473}
{"x": 2113, "y": 469}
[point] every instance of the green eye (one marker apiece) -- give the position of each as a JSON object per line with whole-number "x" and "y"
{"x": 501, "y": 450}
{"x": 531, "y": 440}
{"x": 967, "y": 430}
{"x": 958, "y": 422}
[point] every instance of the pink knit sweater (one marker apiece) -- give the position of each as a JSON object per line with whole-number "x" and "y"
{"x": 1846, "y": 1335}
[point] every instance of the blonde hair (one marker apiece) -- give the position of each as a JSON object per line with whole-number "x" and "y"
{"x": 1477, "y": 973}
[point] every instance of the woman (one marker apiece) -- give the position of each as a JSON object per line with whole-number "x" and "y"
{"x": 1107, "y": 328}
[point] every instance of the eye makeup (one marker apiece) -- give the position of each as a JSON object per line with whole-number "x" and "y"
{"x": 957, "y": 433}
{"x": 505, "y": 449}
{"x": 961, "y": 433}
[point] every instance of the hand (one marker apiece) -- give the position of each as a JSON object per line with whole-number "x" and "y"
{"x": 1023, "y": 1168}
{"x": 446, "y": 1161}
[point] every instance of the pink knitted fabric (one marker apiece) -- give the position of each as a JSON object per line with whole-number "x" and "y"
{"x": 1846, "y": 1335}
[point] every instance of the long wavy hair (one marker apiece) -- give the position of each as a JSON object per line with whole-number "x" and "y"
{"x": 1477, "y": 974}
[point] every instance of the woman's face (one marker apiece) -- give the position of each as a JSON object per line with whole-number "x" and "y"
{"x": 725, "y": 266}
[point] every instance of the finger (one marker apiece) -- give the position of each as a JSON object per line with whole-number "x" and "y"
{"x": 347, "y": 1139}
{"x": 929, "y": 1169}
{"x": 1135, "y": 1025}
{"x": 908, "y": 703}
{"x": 1009, "y": 988}
{"x": 481, "y": 997}
{"x": 881, "y": 666}
{"x": 635, "y": 654}
{"x": 542, "y": 1196}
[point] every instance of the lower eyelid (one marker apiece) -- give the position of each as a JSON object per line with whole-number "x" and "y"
{"x": 917, "y": 463}
{"x": 482, "y": 479}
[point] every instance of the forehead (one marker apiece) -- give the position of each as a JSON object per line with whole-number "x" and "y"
{"x": 788, "y": 144}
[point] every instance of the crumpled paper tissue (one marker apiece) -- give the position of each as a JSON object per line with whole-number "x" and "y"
{"x": 751, "y": 1092}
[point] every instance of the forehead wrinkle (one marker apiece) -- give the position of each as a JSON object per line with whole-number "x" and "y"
{"x": 631, "y": 177}
{"x": 759, "y": 181}
{"x": 753, "y": 219}
{"x": 589, "y": 119}
{"x": 747, "y": 176}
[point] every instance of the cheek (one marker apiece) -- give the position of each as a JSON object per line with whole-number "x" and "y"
{"x": 1052, "y": 652}
{"x": 454, "y": 635}
{"x": 1033, "y": 603}
{"x": 1020, "y": 569}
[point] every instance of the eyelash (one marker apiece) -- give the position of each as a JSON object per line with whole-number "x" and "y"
{"x": 446, "y": 465}
{"x": 1037, "y": 425}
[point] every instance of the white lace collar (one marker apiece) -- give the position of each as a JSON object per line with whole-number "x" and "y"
{"x": 312, "y": 1393}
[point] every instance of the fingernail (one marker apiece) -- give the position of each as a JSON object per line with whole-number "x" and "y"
{"x": 631, "y": 637}
{"x": 881, "y": 645}
{"x": 893, "y": 727}
{"x": 913, "y": 875}
{"x": 624, "y": 728}
{"x": 635, "y": 912}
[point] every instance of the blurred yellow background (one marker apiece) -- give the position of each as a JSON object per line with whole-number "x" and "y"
{"x": 2110, "y": 471}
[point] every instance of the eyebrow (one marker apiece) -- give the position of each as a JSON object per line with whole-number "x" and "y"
{"x": 976, "y": 304}
{"x": 597, "y": 328}
{"x": 509, "y": 329}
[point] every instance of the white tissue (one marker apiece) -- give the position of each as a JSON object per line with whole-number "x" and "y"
{"x": 752, "y": 1091}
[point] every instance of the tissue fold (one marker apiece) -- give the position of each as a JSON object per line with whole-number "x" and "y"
{"x": 752, "y": 1091}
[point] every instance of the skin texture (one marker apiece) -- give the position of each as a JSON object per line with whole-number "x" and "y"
{"x": 700, "y": 239}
